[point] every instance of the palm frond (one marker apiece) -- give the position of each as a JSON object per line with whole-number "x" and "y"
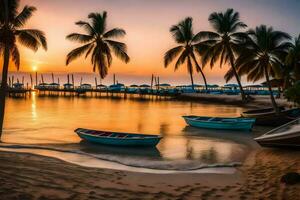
{"x": 119, "y": 49}
{"x": 87, "y": 27}
{"x": 181, "y": 60}
{"x": 98, "y": 22}
{"x": 114, "y": 33}
{"x": 76, "y": 53}
{"x": 23, "y": 16}
{"x": 172, "y": 54}
{"x": 206, "y": 35}
{"x": 99, "y": 62}
{"x": 229, "y": 75}
{"x": 177, "y": 34}
{"x": 78, "y": 37}
{"x": 15, "y": 56}
{"x": 32, "y": 38}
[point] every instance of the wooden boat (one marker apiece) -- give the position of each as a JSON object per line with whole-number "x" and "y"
{"x": 220, "y": 122}
{"x": 118, "y": 139}
{"x": 287, "y": 135}
{"x": 268, "y": 117}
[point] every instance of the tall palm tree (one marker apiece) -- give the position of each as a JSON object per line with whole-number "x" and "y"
{"x": 224, "y": 44}
{"x": 98, "y": 42}
{"x": 266, "y": 49}
{"x": 293, "y": 58}
{"x": 12, "y": 30}
{"x": 186, "y": 50}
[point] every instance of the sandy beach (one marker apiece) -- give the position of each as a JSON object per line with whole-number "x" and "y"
{"x": 27, "y": 176}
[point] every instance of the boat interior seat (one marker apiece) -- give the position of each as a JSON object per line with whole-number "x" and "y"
{"x": 106, "y": 134}
{"x": 212, "y": 119}
{"x": 121, "y": 136}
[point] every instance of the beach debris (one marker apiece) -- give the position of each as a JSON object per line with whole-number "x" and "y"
{"x": 290, "y": 178}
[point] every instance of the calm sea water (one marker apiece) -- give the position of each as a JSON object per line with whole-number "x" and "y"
{"x": 48, "y": 123}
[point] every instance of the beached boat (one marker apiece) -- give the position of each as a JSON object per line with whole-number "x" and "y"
{"x": 118, "y": 139}
{"x": 220, "y": 122}
{"x": 268, "y": 117}
{"x": 287, "y": 135}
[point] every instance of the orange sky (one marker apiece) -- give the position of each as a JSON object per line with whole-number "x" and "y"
{"x": 147, "y": 25}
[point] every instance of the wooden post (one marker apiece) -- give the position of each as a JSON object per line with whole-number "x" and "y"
{"x": 36, "y": 78}
{"x": 73, "y": 81}
{"x": 114, "y": 79}
{"x": 52, "y": 77}
{"x": 23, "y": 80}
{"x": 68, "y": 77}
{"x": 31, "y": 81}
{"x": 9, "y": 81}
{"x": 96, "y": 82}
{"x": 80, "y": 81}
{"x": 42, "y": 78}
{"x": 152, "y": 77}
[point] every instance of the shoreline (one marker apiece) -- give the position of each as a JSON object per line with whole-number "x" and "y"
{"x": 255, "y": 102}
{"x": 28, "y": 176}
{"x": 91, "y": 162}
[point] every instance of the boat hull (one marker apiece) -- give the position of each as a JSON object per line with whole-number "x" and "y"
{"x": 219, "y": 125}
{"x": 143, "y": 142}
{"x": 270, "y": 118}
{"x": 280, "y": 141}
{"x": 290, "y": 142}
{"x": 287, "y": 135}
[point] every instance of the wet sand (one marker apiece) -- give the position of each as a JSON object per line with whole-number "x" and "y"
{"x": 27, "y": 176}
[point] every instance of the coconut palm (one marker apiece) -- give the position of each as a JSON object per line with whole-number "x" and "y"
{"x": 98, "y": 42}
{"x": 12, "y": 30}
{"x": 293, "y": 58}
{"x": 186, "y": 51}
{"x": 224, "y": 44}
{"x": 263, "y": 58}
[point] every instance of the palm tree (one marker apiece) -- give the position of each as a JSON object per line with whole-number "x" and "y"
{"x": 266, "y": 49}
{"x": 12, "y": 31}
{"x": 99, "y": 43}
{"x": 187, "y": 49}
{"x": 225, "y": 43}
{"x": 293, "y": 58}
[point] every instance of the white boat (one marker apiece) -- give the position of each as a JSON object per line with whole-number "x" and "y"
{"x": 287, "y": 135}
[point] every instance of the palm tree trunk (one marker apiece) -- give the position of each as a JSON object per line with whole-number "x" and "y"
{"x": 3, "y": 88}
{"x": 190, "y": 69}
{"x": 271, "y": 92}
{"x": 200, "y": 70}
{"x": 192, "y": 80}
{"x": 237, "y": 78}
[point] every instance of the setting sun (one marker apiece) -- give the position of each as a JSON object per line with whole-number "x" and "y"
{"x": 34, "y": 68}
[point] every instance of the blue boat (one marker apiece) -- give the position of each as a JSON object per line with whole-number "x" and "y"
{"x": 118, "y": 139}
{"x": 220, "y": 122}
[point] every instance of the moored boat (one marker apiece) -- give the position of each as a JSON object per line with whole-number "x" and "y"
{"x": 268, "y": 117}
{"x": 220, "y": 122}
{"x": 118, "y": 139}
{"x": 287, "y": 135}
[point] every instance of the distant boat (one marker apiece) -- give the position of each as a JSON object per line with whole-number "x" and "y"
{"x": 268, "y": 117}
{"x": 287, "y": 135}
{"x": 220, "y": 122}
{"x": 118, "y": 139}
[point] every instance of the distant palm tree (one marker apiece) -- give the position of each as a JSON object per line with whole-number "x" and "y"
{"x": 266, "y": 49}
{"x": 11, "y": 32}
{"x": 187, "y": 49}
{"x": 293, "y": 58}
{"x": 225, "y": 43}
{"x": 99, "y": 43}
